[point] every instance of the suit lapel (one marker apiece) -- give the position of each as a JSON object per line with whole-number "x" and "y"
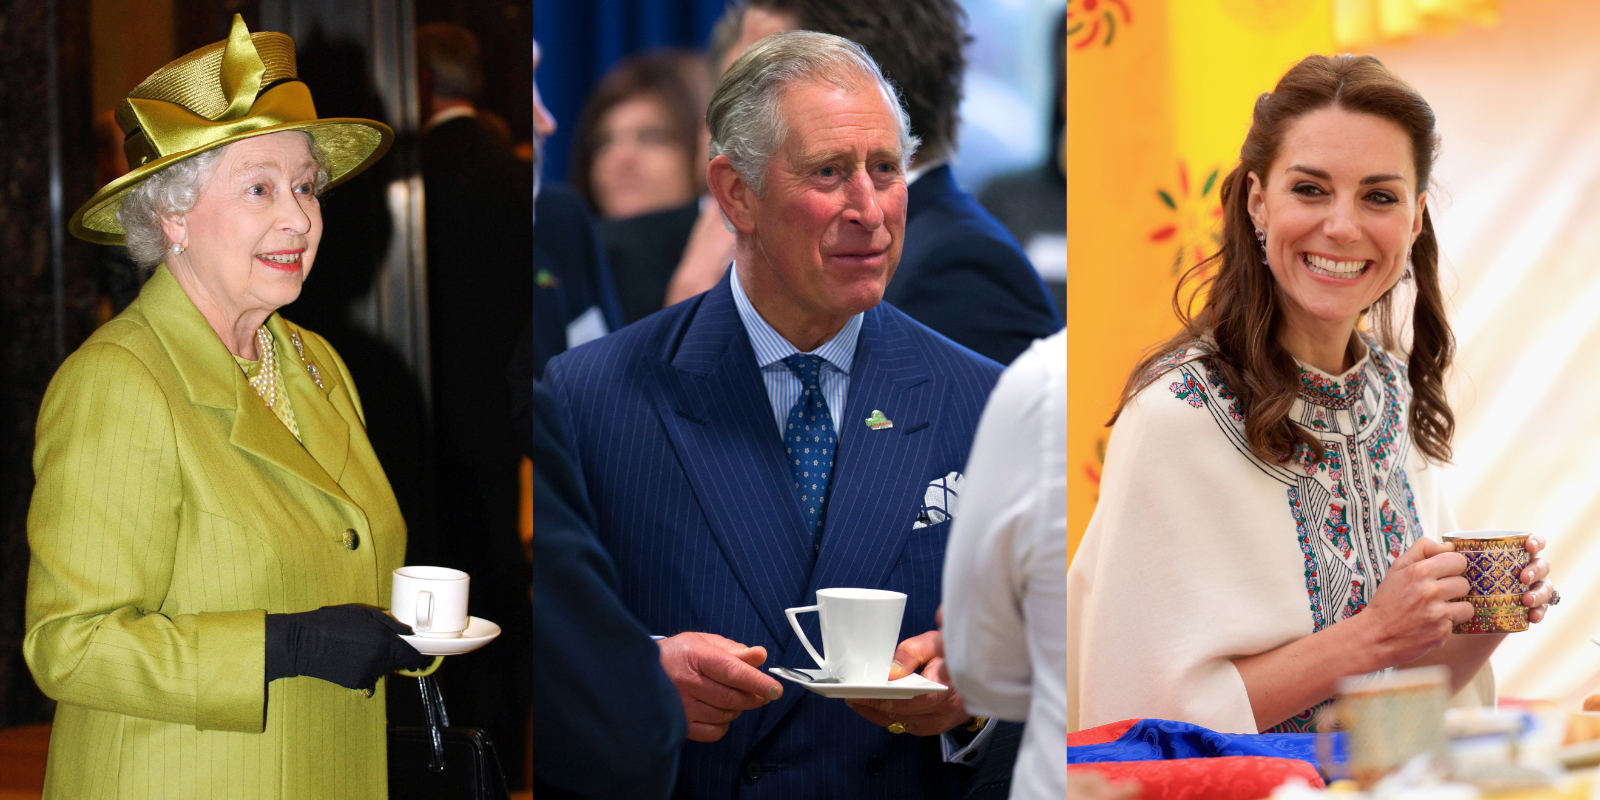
{"x": 878, "y": 477}
{"x": 211, "y": 378}
{"x": 714, "y": 406}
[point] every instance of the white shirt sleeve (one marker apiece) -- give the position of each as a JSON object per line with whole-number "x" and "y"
{"x": 1006, "y": 567}
{"x": 993, "y": 547}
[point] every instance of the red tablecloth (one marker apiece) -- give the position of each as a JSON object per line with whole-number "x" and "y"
{"x": 1224, "y": 778}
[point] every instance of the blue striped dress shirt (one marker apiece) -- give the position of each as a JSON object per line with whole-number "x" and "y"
{"x": 783, "y": 387}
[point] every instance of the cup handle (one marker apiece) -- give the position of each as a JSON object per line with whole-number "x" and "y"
{"x": 424, "y": 612}
{"x": 795, "y": 623}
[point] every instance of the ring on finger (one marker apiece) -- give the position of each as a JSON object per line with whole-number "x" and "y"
{"x": 1555, "y": 596}
{"x": 897, "y": 728}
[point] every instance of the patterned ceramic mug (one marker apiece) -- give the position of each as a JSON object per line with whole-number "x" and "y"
{"x": 1495, "y": 561}
{"x": 1389, "y": 717}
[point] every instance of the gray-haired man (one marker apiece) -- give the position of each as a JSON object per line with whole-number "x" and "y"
{"x": 781, "y": 434}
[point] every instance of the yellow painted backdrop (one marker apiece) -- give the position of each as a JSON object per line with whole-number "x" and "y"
{"x": 1159, "y": 95}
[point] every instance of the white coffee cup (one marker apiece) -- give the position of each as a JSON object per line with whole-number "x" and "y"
{"x": 432, "y": 600}
{"x": 860, "y": 630}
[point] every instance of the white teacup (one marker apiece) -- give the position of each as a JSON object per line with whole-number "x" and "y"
{"x": 432, "y": 600}
{"x": 860, "y": 630}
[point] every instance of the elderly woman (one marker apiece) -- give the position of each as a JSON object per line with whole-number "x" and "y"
{"x": 1274, "y": 471}
{"x": 211, "y": 532}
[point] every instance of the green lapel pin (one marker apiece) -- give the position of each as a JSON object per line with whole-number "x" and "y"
{"x": 878, "y": 421}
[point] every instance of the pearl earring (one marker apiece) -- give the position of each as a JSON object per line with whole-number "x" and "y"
{"x": 1261, "y": 239}
{"x": 177, "y": 249}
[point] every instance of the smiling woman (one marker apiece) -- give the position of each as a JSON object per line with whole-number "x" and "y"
{"x": 1276, "y": 464}
{"x": 211, "y": 535}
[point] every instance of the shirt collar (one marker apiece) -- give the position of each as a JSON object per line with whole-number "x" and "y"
{"x": 449, "y": 114}
{"x": 771, "y": 347}
{"x": 923, "y": 169}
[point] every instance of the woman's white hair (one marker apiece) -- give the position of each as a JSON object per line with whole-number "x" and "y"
{"x": 174, "y": 190}
{"x": 744, "y": 119}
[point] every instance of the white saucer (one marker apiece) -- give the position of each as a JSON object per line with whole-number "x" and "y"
{"x": 902, "y": 689}
{"x": 479, "y": 632}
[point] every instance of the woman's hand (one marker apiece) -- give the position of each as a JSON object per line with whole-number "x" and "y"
{"x": 351, "y": 645}
{"x": 1537, "y": 598}
{"x": 1417, "y": 603}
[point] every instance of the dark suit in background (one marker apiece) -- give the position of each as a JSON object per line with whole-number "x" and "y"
{"x": 571, "y": 275}
{"x": 644, "y": 252}
{"x": 609, "y": 723}
{"x": 694, "y": 501}
{"x": 479, "y": 228}
{"x": 962, "y": 274}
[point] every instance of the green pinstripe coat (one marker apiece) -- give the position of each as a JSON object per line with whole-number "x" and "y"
{"x": 172, "y": 512}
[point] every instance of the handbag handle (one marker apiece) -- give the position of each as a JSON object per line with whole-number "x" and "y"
{"x": 438, "y": 719}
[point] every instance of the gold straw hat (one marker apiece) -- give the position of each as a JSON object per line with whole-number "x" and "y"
{"x": 214, "y": 96}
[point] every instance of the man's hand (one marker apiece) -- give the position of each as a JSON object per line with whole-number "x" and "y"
{"x": 928, "y": 715}
{"x": 717, "y": 680}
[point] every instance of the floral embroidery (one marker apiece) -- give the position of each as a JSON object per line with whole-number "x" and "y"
{"x": 1321, "y": 390}
{"x": 1234, "y": 409}
{"x": 1319, "y": 418}
{"x": 1162, "y": 366}
{"x": 1353, "y": 508}
{"x": 1311, "y": 572}
{"x": 1356, "y": 600}
{"x": 1189, "y": 391}
{"x": 1337, "y": 530}
{"x": 1305, "y": 721}
{"x": 1394, "y": 529}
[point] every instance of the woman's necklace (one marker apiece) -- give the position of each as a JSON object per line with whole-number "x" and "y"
{"x": 265, "y": 381}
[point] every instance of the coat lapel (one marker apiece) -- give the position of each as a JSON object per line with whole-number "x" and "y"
{"x": 213, "y": 379}
{"x": 878, "y": 478}
{"x": 713, "y": 404}
{"x": 325, "y": 433}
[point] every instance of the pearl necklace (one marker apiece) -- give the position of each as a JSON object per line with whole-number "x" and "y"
{"x": 266, "y": 380}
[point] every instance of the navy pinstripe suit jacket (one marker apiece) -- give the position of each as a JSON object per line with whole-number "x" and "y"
{"x": 685, "y": 467}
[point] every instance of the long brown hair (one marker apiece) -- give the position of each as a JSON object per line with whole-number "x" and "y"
{"x": 1241, "y": 312}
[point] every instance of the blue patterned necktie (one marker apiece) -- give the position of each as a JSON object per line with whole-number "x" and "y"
{"x": 809, "y": 438}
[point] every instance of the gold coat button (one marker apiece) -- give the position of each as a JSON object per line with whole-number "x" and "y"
{"x": 351, "y": 539}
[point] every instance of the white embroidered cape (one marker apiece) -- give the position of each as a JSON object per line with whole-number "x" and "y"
{"x": 1200, "y": 552}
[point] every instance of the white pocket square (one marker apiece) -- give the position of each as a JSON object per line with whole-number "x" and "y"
{"x": 940, "y": 501}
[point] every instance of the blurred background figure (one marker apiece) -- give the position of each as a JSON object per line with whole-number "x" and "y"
{"x": 640, "y": 164}
{"x": 1032, "y": 203}
{"x": 574, "y": 299}
{"x": 479, "y": 245}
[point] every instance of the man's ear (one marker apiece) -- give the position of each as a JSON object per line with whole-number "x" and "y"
{"x": 735, "y": 196}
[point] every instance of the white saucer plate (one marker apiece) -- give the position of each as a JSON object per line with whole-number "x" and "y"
{"x": 902, "y": 689}
{"x": 479, "y": 632}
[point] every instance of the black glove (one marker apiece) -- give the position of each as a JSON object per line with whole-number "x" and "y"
{"x": 351, "y": 645}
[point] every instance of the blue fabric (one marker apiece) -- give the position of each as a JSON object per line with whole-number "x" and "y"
{"x": 1162, "y": 739}
{"x": 673, "y": 431}
{"x": 580, "y": 42}
{"x": 838, "y": 356}
{"x": 809, "y": 443}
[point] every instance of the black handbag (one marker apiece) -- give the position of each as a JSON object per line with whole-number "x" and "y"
{"x": 438, "y": 762}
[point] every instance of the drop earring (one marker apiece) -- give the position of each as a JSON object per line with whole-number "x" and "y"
{"x": 1407, "y": 275}
{"x": 1261, "y": 239}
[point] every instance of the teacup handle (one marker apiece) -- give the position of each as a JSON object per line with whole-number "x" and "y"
{"x": 424, "y": 612}
{"x": 795, "y": 623}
